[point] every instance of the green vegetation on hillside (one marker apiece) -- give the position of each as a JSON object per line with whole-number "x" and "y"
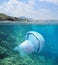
{"x": 4, "y": 17}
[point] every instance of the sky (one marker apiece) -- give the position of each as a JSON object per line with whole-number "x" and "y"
{"x": 35, "y": 9}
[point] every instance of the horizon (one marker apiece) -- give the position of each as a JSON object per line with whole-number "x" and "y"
{"x": 35, "y": 9}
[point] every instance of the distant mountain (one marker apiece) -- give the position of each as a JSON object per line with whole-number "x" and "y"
{"x": 25, "y": 18}
{"x": 4, "y": 17}
{"x": 22, "y": 17}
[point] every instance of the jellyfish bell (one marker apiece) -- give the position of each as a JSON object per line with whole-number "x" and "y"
{"x": 34, "y": 42}
{"x": 37, "y": 40}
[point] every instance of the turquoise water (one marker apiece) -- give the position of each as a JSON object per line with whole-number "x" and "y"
{"x": 12, "y": 35}
{"x": 50, "y": 33}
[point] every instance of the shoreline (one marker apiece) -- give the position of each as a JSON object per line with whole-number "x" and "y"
{"x": 21, "y": 22}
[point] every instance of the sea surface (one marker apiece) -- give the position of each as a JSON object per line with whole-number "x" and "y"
{"x": 12, "y": 34}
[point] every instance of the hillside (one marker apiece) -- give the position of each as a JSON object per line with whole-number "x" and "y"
{"x": 4, "y": 17}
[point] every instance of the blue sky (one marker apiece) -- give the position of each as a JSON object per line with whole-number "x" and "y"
{"x": 36, "y": 9}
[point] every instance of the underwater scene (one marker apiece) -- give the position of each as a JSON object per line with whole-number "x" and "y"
{"x": 12, "y": 35}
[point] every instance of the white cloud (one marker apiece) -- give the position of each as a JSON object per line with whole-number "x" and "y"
{"x": 44, "y": 14}
{"x": 51, "y": 1}
{"x": 17, "y": 8}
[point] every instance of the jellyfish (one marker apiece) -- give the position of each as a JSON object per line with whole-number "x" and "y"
{"x": 34, "y": 42}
